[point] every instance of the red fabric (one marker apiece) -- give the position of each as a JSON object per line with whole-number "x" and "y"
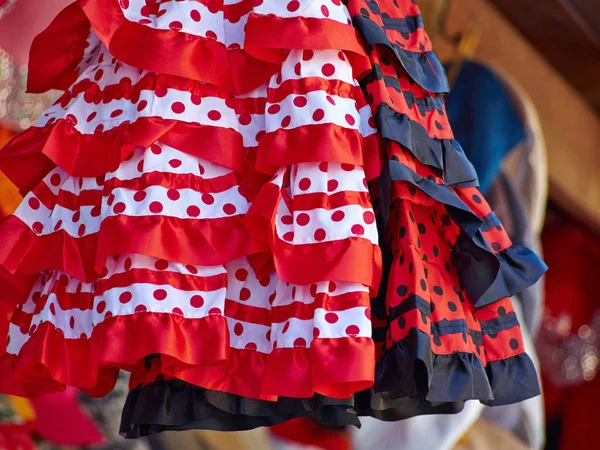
{"x": 291, "y": 372}
{"x": 572, "y": 252}
{"x": 60, "y": 420}
{"x": 310, "y": 432}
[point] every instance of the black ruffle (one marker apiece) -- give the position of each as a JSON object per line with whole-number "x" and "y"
{"x": 423, "y": 67}
{"x": 444, "y": 154}
{"x": 513, "y": 380}
{"x": 410, "y": 369}
{"x": 487, "y": 276}
{"x": 175, "y": 405}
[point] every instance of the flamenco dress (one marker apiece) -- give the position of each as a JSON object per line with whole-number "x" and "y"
{"x": 224, "y": 193}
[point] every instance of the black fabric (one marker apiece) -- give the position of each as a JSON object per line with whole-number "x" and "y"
{"x": 423, "y": 67}
{"x": 512, "y": 380}
{"x": 175, "y": 405}
{"x": 444, "y": 154}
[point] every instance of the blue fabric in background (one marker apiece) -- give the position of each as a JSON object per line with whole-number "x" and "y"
{"x": 484, "y": 120}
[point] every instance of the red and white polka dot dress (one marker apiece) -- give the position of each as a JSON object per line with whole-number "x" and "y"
{"x": 199, "y": 192}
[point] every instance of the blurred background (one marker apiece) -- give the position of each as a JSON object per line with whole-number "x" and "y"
{"x": 525, "y": 106}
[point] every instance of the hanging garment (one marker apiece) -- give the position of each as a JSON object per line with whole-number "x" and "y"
{"x": 221, "y": 230}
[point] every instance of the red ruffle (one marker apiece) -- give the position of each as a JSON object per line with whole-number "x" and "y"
{"x": 352, "y": 259}
{"x": 199, "y": 242}
{"x": 238, "y": 70}
{"x": 44, "y": 364}
{"x": 31, "y": 155}
{"x": 316, "y": 143}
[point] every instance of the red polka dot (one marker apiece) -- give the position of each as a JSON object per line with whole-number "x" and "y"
{"x": 98, "y": 75}
{"x": 214, "y": 312}
{"x": 338, "y": 216}
{"x": 229, "y": 209}
{"x": 358, "y": 229}
{"x": 177, "y": 311}
{"x": 161, "y": 264}
{"x": 303, "y": 219}
{"x": 140, "y": 166}
{"x": 272, "y": 298}
{"x": 245, "y": 294}
{"x": 139, "y": 196}
{"x": 160, "y": 294}
{"x": 341, "y": 56}
{"x": 116, "y": 113}
{"x": 325, "y": 11}
{"x": 350, "y": 119}
{"x": 287, "y": 220}
{"x": 173, "y": 194}
{"x": 250, "y": 346}
{"x": 195, "y": 15}
{"x": 352, "y": 330}
{"x": 286, "y": 121}
{"x": 298, "y": 69}
{"x": 176, "y": 25}
{"x": 304, "y": 184}
{"x": 124, "y": 4}
{"x": 156, "y": 207}
{"x": 332, "y": 185}
{"x": 81, "y": 230}
{"x": 289, "y": 236}
{"x": 300, "y": 102}
{"x": 286, "y": 327}
{"x": 320, "y": 234}
{"x": 197, "y": 301}
{"x": 332, "y": 286}
{"x": 316, "y": 332}
{"x": 156, "y": 149}
{"x": 245, "y": 119}
{"x": 191, "y": 269}
{"x": 175, "y": 163}
{"x": 196, "y": 99}
{"x": 318, "y": 115}
{"x": 119, "y": 208}
{"x": 58, "y": 225}
{"x": 99, "y": 129}
{"x": 214, "y": 115}
{"x": 307, "y": 55}
{"x": 160, "y": 91}
{"x": 347, "y": 167}
{"x": 300, "y": 342}
{"x": 100, "y": 307}
{"x": 265, "y": 281}
{"x": 178, "y": 107}
{"x": 127, "y": 264}
{"x": 368, "y": 217}
{"x": 368, "y": 313}
{"x": 208, "y": 199}
{"x": 52, "y": 309}
{"x": 55, "y": 179}
{"x": 274, "y": 109}
{"x": 193, "y": 211}
{"x": 72, "y": 322}
{"x": 259, "y": 135}
{"x": 201, "y": 169}
{"x": 294, "y": 5}
{"x": 91, "y": 117}
{"x": 323, "y": 166}
{"x": 140, "y": 309}
{"x": 241, "y": 274}
{"x": 372, "y": 123}
{"x": 336, "y": 2}
{"x": 37, "y": 227}
{"x": 328, "y": 69}
{"x": 76, "y": 216}
{"x": 331, "y": 317}
{"x": 34, "y": 203}
{"x": 268, "y": 336}
{"x": 238, "y": 329}
{"x": 211, "y": 35}
{"x": 330, "y": 99}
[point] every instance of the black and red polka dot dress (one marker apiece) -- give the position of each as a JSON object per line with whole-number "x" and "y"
{"x": 257, "y": 208}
